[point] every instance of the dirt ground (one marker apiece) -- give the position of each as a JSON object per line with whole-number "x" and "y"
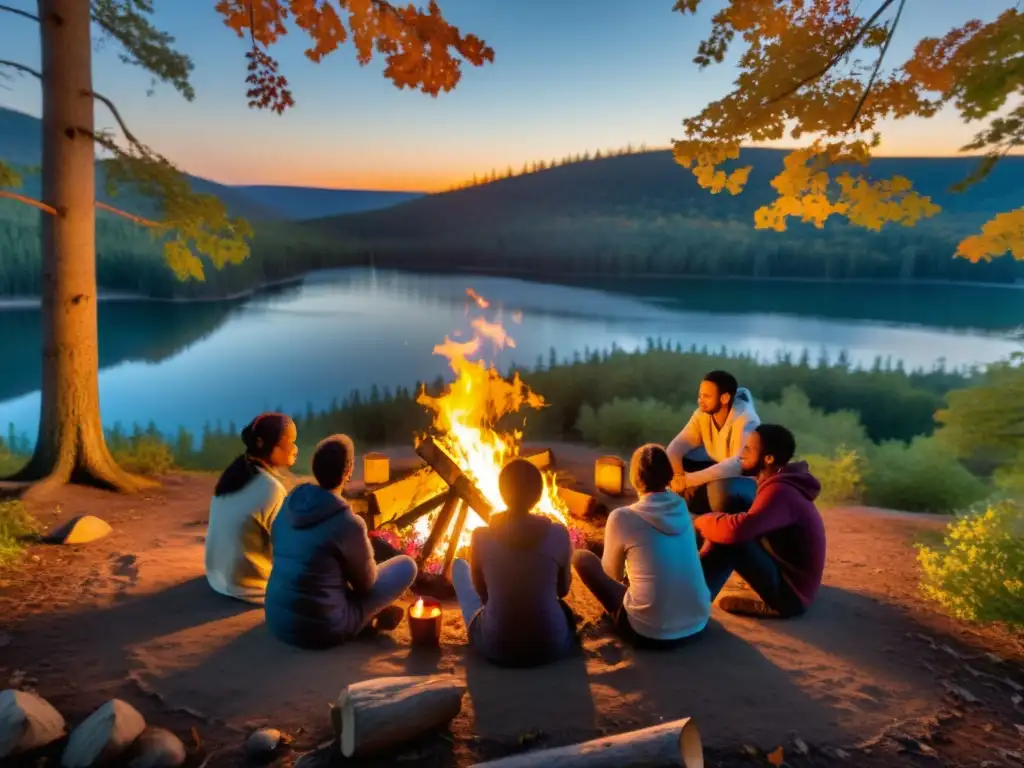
{"x": 871, "y": 676}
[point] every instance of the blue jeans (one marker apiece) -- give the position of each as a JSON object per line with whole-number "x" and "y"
{"x": 734, "y": 494}
{"x": 393, "y": 578}
{"x": 756, "y": 567}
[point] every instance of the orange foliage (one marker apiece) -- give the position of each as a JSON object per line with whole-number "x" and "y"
{"x": 803, "y": 73}
{"x": 422, "y": 50}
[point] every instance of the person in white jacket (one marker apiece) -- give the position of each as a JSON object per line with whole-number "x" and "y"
{"x": 653, "y": 543}
{"x": 705, "y": 455}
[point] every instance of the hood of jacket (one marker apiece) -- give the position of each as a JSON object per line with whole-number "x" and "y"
{"x": 796, "y": 475}
{"x": 742, "y": 405}
{"x": 665, "y": 511}
{"x": 310, "y": 505}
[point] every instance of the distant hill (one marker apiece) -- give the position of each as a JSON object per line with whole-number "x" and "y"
{"x": 21, "y": 143}
{"x": 298, "y": 203}
{"x": 644, "y": 214}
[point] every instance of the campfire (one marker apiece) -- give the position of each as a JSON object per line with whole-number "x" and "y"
{"x": 465, "y": 449}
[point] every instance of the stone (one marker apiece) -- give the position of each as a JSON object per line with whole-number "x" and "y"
{"x": 82, "y": 529}
{"x": 27, "y": 722}
{"x": 158, "y": 748}
{"x": 263, "y": 742}
{"x": 104, "y": 735}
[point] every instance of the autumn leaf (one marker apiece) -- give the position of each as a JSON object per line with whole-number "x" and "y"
{"x": 815, "y": 71}
{"x": 777, "y": 757}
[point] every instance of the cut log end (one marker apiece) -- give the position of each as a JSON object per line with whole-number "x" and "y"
{"x": 381, "y": 714}
{"x": 676, "y": 743}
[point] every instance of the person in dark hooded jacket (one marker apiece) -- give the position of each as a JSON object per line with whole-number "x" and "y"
{"x": 778, "y": 545}
{"x": 325, "y": 587}
{"x": 511, "y": 596}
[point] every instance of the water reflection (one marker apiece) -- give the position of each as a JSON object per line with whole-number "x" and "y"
{"x": 338, "y": 331}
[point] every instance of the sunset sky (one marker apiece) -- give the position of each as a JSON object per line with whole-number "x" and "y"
{"x": 569, "y": 75}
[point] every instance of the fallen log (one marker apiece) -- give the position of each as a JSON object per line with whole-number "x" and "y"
{"x": 377, "y": 715}
{"x": 670, "y": 744}
{"x": 580, "y": 505}
{"x": 445, "y": 466}
{"x": 412, "y": 492}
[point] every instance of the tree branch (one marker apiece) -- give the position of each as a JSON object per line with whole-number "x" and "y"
{"x": 117, "y": 116}
{"x": 53, "y": 211}
{"x": 19, "y": 12}
{"x": 129, "y": 216}
{"x": 21, "y": 68}
{"x": 845, "y": 49}
{"x": 878, "y": 65}
{"x": 29, "y": 201}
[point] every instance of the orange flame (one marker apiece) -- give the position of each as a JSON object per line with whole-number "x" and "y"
{"x": 466, "y": 417}
{"x": 480, "y": 300}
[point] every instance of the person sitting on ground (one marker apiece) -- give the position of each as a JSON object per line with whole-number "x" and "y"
{"x": 245, "y": 502}
{"x": 706, "y": 453}
{"x": 325, "y": 587}
{"x": 778, "y": 545}
{"x": 653, "y": 540}
{"x": 511, "y": 597}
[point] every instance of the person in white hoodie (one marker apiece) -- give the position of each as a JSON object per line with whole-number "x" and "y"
{"x": 653, "y": 542}
{"x": 705, "y": 455}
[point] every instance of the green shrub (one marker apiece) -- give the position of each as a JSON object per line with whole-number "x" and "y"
{"x": 145, "y": 455}
{"x": 15, "y": 525}
{"x": 978, "y": 572}
{"x": 841, "y": 478}
{"x": 817, "y": 433}
{"x": 920, "y": 476}
{"x": 626, "y": 424}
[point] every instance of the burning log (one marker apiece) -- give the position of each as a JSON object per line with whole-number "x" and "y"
{"x": 677, "y": 743}
{"x": 460, "y": 523}
{"x": 423, "y": 490}
{"x": 580, "y": 505}
{"x": 444, "y": 517}
{"x": 445, "y": 466}
{"x": 542, "y": 459}
{"x": 376, "y": 715}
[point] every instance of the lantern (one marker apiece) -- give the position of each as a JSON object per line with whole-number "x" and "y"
{"x": 610, "y": 475}
{"x": 376, "y": 469}
{"x": 425, "y": 622}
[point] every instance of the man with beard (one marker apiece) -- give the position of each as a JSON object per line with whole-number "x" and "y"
{"x": 777, "y": 546}
{"x": 706, "y": 453}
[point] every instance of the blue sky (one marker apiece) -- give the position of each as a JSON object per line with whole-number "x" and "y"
{"x": 569, "y": 75}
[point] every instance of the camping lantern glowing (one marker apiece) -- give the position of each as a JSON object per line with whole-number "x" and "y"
{"x": 610, "y": 475}
{"x": 425, "y": 622}
{"x": 376, "y": 469}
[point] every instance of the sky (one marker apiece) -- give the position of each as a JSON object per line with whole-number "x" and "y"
{"x": 568, "y": 76}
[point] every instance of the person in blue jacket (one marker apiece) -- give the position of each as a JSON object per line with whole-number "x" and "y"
{"x": 325, "y": 587}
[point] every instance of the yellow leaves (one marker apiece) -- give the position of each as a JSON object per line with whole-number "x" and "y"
{"x": 703, "y": 160}
{"x": 182, "y": 261}
{"x": 1003, "y": 233}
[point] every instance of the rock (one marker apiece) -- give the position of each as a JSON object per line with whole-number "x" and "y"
{"x": 264, "y": 742}
{"x": 82, "y": 529}
{"x": 158, "y": 748}
{"x": 27, "y": 722}
{"x": 103, "y": 735}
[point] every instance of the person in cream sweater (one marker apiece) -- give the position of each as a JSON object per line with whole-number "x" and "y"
{"x": 705, "y": 455}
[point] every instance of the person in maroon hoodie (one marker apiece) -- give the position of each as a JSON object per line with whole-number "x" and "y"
{"x": 778, "y": 545}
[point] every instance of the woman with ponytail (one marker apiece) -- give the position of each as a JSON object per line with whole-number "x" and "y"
{"x": 245, "y": 502}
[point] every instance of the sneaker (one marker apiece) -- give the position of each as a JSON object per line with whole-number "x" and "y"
{"x": 748, "y": 604}
{"x": 388, "y": 619}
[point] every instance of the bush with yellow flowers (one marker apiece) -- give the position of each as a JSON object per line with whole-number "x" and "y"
{"x": 977, "y": 574}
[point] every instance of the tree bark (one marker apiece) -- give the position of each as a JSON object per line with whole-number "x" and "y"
{"x": 380, "y": 714}
{"x": 676, "y": 743}
{"x": 70, "y": 446}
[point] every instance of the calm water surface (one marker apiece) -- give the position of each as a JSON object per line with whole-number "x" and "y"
{"x": 187, "y": 364}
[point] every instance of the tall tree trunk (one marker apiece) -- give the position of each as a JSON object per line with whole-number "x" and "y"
{"x": 70, "y": 446}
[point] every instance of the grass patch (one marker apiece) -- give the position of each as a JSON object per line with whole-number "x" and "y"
{"x": 17, "y": 526}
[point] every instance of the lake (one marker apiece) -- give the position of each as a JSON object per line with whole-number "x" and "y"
{"x": 186, "y": 364}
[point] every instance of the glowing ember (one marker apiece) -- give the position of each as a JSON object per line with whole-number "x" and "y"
{"x": 467, "y": 413}
{"x": 419, "y": 611}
